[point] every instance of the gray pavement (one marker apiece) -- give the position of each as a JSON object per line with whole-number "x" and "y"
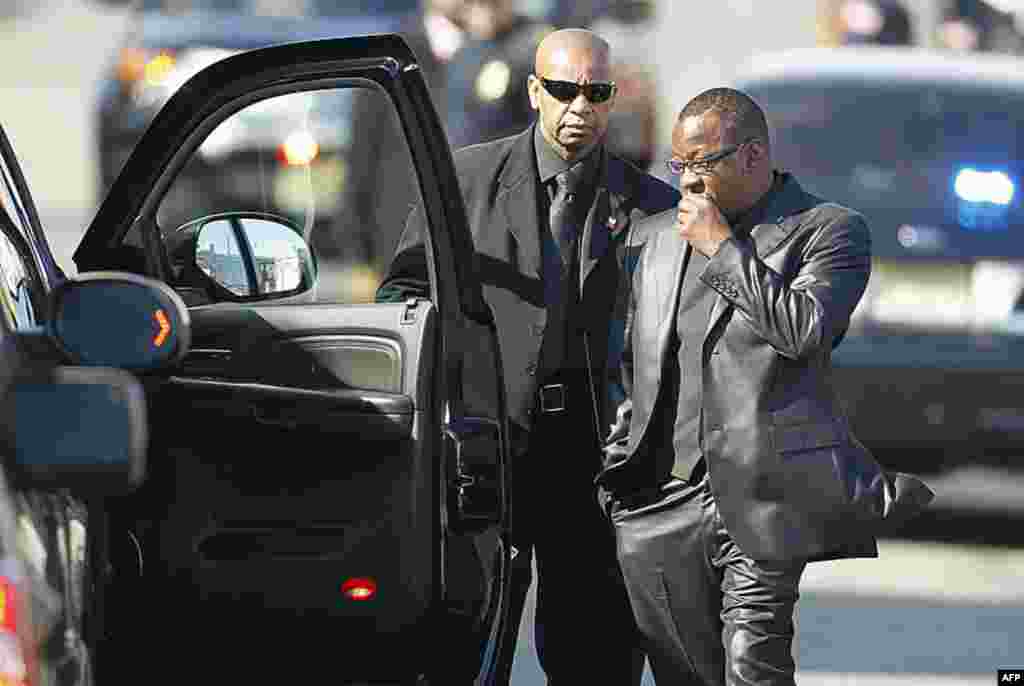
{"x": 923, "y": 613}
{"x": 934, "y": 614}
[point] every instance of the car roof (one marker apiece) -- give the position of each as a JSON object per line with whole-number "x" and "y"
{"x": 884, "y": 66}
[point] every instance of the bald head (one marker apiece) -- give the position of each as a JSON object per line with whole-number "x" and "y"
{"x": 573, "y": 119}
{"x": 567, "y": 46}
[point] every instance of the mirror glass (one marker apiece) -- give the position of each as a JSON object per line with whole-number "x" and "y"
{"x": 84, "y": 430}
{"x": 219, "y": 256}
{"x": 116, "y": 324}
{"x": 251, "y": 255}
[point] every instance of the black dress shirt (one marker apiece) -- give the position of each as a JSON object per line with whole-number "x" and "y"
{"x": 561, "y": 350}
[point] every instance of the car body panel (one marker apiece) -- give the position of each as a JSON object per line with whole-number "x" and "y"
{"x": 54, "y": 454}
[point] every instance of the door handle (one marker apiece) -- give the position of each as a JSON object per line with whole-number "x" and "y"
{"x": 476, "y": 480}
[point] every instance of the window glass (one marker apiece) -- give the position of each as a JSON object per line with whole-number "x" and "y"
{"x": 18, "y": 289}
{"x": 332, "y": 162}
{"x": 219, "y": 256}
{"x": 21, "y": 292}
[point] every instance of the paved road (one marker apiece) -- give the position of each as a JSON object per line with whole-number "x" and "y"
{"x": 928, "y": 613}
{"x": 923, "y": 614}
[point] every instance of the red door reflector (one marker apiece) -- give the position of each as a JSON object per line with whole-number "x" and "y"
{"x": 359, "y": 588}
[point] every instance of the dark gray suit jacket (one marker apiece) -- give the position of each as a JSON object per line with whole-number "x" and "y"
{"x": 790, "y": 479}
{"x": 499, "y": 183}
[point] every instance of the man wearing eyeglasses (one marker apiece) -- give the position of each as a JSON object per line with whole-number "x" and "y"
{"x": 548, "y": 208}
{"x": 732, "y": 465}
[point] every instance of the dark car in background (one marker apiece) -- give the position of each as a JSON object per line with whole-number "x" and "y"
{"x": 167, "y": 41}
{"x": 929, "y": 147}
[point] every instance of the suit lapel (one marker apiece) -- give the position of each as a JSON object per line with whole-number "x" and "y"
{"x": 669, "y": 285}
{"x": 608, "y": 213}
{"x": 594, "y": 242}
{"x": 519, "y": 190}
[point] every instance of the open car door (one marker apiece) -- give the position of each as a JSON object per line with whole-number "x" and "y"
{"x": 322, "y": 498}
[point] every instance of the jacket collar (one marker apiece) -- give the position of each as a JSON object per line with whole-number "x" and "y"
{"x": 780, "y": 215}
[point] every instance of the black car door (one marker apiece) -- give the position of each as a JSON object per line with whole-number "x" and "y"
{"x": 322, "y": 494}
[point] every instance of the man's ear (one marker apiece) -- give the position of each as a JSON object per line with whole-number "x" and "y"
{"x": 757, "y": 154}
{"x": 533, "y": 86}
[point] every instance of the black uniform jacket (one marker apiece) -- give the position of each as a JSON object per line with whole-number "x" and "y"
{"x": 499, "y": 183}
{"x": 790, "y": 478}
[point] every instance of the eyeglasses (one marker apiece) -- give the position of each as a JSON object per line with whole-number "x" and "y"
{"x": 566, "y": 91}
{"x": 702, "y": 166}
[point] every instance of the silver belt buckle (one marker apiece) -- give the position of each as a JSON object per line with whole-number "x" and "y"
{"x": 552, "y": 398}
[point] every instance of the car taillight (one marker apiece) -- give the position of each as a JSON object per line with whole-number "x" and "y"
{"x": 16, "y": 655}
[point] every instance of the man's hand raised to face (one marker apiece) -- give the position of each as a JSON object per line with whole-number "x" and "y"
{"x": 701, "y": 223}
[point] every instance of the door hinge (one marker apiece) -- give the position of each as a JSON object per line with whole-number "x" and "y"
{"x": 409, "y": 313}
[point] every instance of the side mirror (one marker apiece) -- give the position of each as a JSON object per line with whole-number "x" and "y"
{"x": 81, "y": 428}
{"x": 252, "y": 256}
{"x": 115, "y": 319}
{"x": 84, "y": 427}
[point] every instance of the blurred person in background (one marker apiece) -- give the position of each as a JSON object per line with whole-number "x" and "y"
{"x": 629, "y": 27}
{"x": 485, "y": 96}
{"x": 864, "y": 22}
{"x": 369, "y": 221}
{"x": 546, "y": 207}
{"x": 970, "y": 25}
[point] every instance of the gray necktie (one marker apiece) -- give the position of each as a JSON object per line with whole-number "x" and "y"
{"x": 564, "y": 215}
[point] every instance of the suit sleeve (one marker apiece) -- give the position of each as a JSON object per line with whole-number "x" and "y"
{"x": 798, "y": 318}
{"x": 408, "y": 276}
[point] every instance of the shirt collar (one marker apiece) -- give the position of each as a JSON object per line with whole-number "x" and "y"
{"x": 550, "y": 165}
{"x": 756, "y": 214}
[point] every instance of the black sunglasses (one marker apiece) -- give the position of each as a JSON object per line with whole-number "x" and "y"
{"x": 566, "y": 91}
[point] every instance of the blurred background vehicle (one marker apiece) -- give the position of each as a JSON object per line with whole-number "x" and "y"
{"x": 930, "y": 149}
{"x": 268, "y": 153}
{"x": 167, "y": 41}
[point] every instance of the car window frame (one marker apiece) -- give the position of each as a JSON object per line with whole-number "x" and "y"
{"x": 17, "y": 232}
{"x": 223, "y": 88}
{"x": 28, "y": 223}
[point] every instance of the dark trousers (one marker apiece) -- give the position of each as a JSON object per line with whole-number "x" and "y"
{"x": 709, "y": 614}
{"x": 584, "y": 629}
